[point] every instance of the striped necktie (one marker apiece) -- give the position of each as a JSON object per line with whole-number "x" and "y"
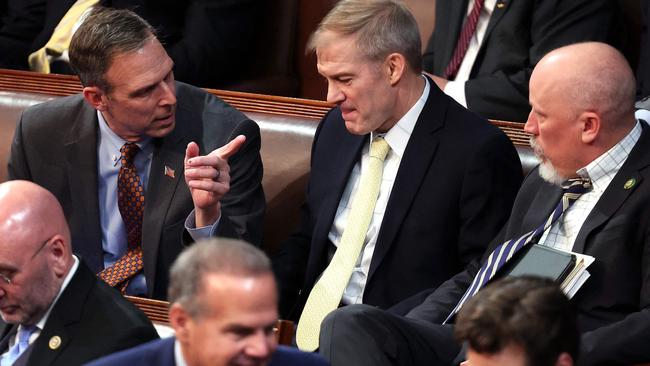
{"x": 130, "y": 200}
{"x": 326, "y": 294}
{"x": 463, "y": 40}
{"x": 573, "y": 189}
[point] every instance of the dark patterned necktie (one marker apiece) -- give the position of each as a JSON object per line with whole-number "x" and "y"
{"x": 573, "y": 189}
{"x": 130, "y": 200}
{"x": 463, "y": 40}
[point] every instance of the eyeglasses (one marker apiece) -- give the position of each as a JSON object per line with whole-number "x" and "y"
{"x": 6, "y": 278}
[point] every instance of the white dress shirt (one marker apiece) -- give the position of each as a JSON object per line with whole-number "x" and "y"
{"x": 397, "y": 138}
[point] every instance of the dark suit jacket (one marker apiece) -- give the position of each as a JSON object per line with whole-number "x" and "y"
{"x": 55, "y": 146}
{"x": 454, "y": 188}
{"x": 161, "y": 353}
{"x": 614, "y": 303}
{"x": 643, "y": 67}
{"x": 519, "y": 34}
{"x": 91, "y": 320}
{"x": 208, "y": 40}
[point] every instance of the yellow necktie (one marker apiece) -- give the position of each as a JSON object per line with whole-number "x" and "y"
{"x": 60, "y": 40}
{"x": 328, "y": 290}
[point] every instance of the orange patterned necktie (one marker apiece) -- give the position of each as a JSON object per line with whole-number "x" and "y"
{"x": 130, "y": 200}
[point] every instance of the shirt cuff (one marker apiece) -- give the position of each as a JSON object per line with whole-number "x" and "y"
{"x": 200, "y": 232}
{"x": 456, "y": 90}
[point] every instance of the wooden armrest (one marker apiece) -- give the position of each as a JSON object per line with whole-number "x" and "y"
{"x": 284, "y": 332}
{"x": 157, "y": 311}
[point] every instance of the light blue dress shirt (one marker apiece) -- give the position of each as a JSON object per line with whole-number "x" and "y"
{"x": 114, "y": 241}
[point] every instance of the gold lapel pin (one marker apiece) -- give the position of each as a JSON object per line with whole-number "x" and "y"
{"x": 55, "y": 342}
{"x": 170, "y": 172}
{"x": 500, "y": 5}
{"x": 630, "y": 183}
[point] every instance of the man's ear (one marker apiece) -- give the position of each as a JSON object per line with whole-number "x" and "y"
{"x": 564, "y": 359}
{"x": 590, "y": 123}
{"x": 396, "y": 64}
{"x": 95, "y": 97}
{"x": 180, "y": 320}
{"x": 59, "y": 253}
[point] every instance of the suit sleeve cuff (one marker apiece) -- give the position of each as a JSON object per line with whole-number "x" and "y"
{"x": 200, "y": 232}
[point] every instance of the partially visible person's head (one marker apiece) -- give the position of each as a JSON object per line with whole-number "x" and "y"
{"x": 35, "y": 251}
{"x": 370, "y": 53}
{"x": 224, "y": 304}
{"x": 582, "y": 99}
{"x": 525, "y": 321}
{"x": 126, "y": 73}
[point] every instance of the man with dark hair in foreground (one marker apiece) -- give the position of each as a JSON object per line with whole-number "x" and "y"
{"x": 524, "y": 321}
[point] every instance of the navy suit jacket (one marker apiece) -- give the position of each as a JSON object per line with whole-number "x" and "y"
{"x": 614, "y": 304}
{"x": 453, "y": 191}
{"x": 161, "y": 353}
{"x": 519, "y": 34}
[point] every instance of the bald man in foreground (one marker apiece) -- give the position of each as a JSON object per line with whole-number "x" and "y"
{"x": 583, "y": 127}
{"x": 56, "y": 312}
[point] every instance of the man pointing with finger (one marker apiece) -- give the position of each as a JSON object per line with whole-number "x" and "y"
{"x": 116, "y": 156}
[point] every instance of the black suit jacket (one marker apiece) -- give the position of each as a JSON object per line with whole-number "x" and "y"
{"x": 519, "y": 34}
{"x": 209, "y": 40}
{"x": 55, "y": 146}
{"x": 454, "y": 188}
{"x": 91, "y": 320}
{"x": 614, "y": 303}
{"x": 643, "y": 69}
{"x": 161, "y": 353}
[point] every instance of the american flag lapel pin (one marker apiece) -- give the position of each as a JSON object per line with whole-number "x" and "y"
{"x": 170, "y": 172}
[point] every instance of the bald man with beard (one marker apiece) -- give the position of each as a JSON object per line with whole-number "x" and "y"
{"x": 583, "y": 126}
{"x": 56, "y": 312}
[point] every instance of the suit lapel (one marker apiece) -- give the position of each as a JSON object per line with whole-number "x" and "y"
{"x": 168, "y": 152}
{"x": 81, "y": 170}
{"x": 346, "y": 157}
{"x": 616, "y": 193}
{"x": 65, "y": 313}
{"x": 413, "y": 168}
{"x": 500, "y": 8}
{"x": 544, "y": 203}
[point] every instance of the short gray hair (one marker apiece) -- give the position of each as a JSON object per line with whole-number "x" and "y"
{"x": 212, "y": 256}
{"x": 382, "y": 27}
{"x": 102, "y": 35}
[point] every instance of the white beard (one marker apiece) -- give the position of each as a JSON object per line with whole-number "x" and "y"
{"x": 546, "y": 170}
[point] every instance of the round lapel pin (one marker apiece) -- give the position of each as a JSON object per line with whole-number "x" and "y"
{"x": 55, "y": 342}
{"x": 630, "y": 183}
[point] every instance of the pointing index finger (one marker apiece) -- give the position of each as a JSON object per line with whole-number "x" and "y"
{"x": 230, "y": 148}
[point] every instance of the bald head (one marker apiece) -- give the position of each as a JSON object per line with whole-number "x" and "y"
{"x": 590, "y": 76}
{"x": 28, "y": 210}
{"x": 35, "y": 252}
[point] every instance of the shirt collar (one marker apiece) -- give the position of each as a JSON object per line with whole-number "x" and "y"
{"x": 66, "y": 281}
{"x": 398, "y": 136}
{"x": 114, "y": 142}
{"x": 610, "y": 162}
{"x": 178, "y": 354}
